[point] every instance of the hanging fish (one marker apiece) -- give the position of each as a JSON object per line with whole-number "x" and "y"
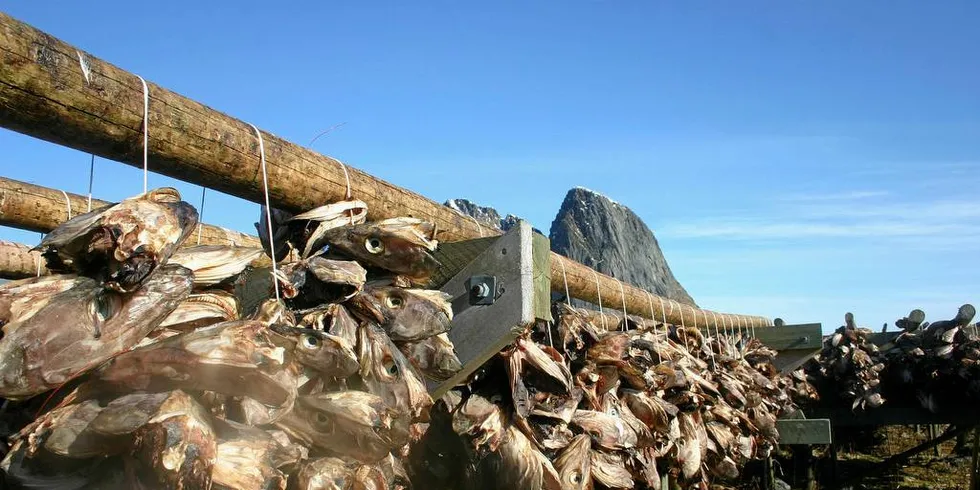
{"x": 40, "y": 351}
{"x": 434, "y": 356}
{"x": 121, "y": 244}
{"x": 328, "y": 355}
{"x": 387, "y": 373}
{"x": 215, "y": 264}
{"x": 352, "y": 423}
{"x": 407, "y": 315}
{"x": 399, "y": 245}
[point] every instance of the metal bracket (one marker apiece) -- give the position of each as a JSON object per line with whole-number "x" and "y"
{"x": 495, "y": 300}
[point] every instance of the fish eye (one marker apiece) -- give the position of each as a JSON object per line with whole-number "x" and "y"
{"x": 390, "y": 366}
{"x": 104, "y": 306}
{"x": 613, "y": 412}
{"x": 496, "y": 399}
{"x": 320, "y": 418}
{"x": 394, "y": 302}
{"x": 311, "y": 341}
{"x": 576, "y": 477}
{"x": 374, "y": 245}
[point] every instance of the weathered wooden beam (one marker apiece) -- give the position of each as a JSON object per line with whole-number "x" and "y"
{"x": 55, "y": 92}
{"x": 17, "y": 262}
{"x": 35, "y": 208}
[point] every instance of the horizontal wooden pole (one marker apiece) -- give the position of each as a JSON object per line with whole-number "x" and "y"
{"x": 55, "y": 92}
{"x": 36, "y": 208}
{"x": 17, "y": 262}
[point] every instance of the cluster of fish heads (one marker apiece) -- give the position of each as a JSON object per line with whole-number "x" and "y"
{"x": 934, "y": 364}
{"x": 140, "y": 364}
{"x": 847, "y": 372}
{"x": 572, "y": 406}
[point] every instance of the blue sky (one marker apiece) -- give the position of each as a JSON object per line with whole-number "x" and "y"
{"x": 795, "y": 159}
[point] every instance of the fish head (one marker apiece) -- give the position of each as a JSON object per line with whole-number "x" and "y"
{"x": 574, "y": 464}
{"x": 400, "y": 245}
{"x": 324, "y": 474}
{"x": 434, "y": 356}
{"x": 145, "y": 231}
{"x": 327, "y": 354}
{"x": 355, "y": 423}
{"x": 42, "y": 351}
{"x": 389, "y": 374}
{"x": 480, "y": 423}
{"x": 611, "y": 348}
{"x": 406, "y": 314}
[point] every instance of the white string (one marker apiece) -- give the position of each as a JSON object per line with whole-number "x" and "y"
{"x": 477, "y": 223}
{"x": 67, "y": 201}
{"x": 268, "y": 211}
{"x": 200, "y": 216}
{"x": 146, "y": 132}
{"x": 663, "y": 311}
{"x": 654, "y": 320}
{"x": 599, "y": 295}
{"x": 346, "y": 178}
{"x": 623, "y": 294}
{"x": 568, "y": 297}
{"x": 37, "y": 260}
{"x": 91, "y": 177}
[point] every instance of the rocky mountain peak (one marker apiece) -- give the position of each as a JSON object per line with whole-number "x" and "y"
{"x": 609, "y": 237}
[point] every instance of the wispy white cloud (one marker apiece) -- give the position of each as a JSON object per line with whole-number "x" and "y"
{"x": 839, "y": 196}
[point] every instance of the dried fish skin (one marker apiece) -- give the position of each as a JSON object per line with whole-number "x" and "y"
{"x": 387, "y": 373}
{"x": 606, "y": 430}
{"x": 317, "y": 280}
{"x": 609, "y": 469}
{"x": 574, "y": 464}
{"x": 121, "y": 244}
{"x": 214, "y": 264}
{"x": 42, "y": 352}
{"x": 324, "y": 474}
{"x": 250, "y": 459}
{"x": 329, "y": 355}
{"x": 204, "y": 359}
{"x": 399, "y": 245}
{"x": 517, "y": 464}
{"x": 321, "y": 219}
{"x": 62, "y": 432}
{"x": 178, "y": 444}
{"x": 23, "y": 298}
{"x": 611, "y": 348}
{"x": 407, "y": 315}
{"x": 352, "y": 423}
{"x": 201, "y": 310}
{"x": 480, "y": 424}
{"x": 435, "y": 357}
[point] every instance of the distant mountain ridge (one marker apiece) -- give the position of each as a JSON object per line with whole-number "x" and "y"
{"x": 592, "y": 229}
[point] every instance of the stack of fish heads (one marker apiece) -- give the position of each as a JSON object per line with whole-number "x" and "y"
{"x": 603, "y": 409}
{"x": 935, "y": 364}
{"x": 162, "y": 383}
{"x": 848, "y": 369}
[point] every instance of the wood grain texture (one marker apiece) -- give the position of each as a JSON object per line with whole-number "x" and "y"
{"x": 36, "y": 208}
{"x": 45, "y": 93}
{"x": 17, "y": 262}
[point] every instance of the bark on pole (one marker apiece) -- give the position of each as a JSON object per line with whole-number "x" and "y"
{"x": 17, "y": 262}
{"x": 55, "y": 92}
{"x": 35, "y": 208}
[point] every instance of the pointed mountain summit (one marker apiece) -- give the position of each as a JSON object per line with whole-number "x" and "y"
{"x": 596, "y": 231}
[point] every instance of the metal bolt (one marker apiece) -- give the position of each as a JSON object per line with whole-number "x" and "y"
{"x": 480, "y": 290}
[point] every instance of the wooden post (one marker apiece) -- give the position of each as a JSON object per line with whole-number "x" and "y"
{"x": 16, "y": 262}
{"x": 35, "y": 208}
{"x": 55, "y": 92}
{"x": 975, "y": 464}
